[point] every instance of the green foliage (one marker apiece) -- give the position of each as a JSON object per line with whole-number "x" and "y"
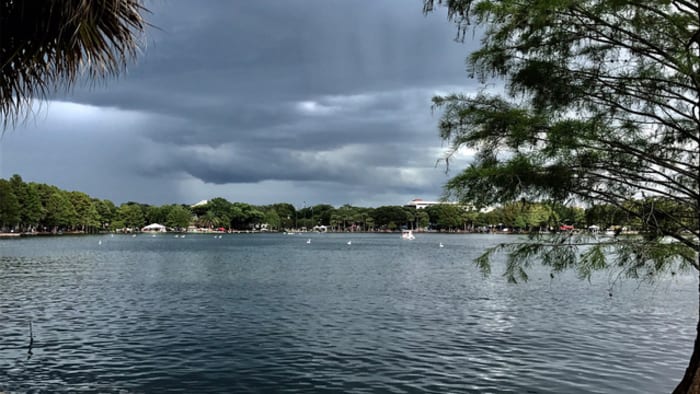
{"x": 445, "y": 216}
{"x": 220, "y": 208}
{"x": 87, "y": 215}
{"x": 389, "y": 214}
{"x": 178, "y": 217}
{"x": 21, "y": 192}
{"x": 323, "y": 212}
{"x": 32, "y": 210}
{"x": 9, "y": 205}
{"x": 107, "y": 212}
{"x": 634, "y": 257}
{"x": 422, "y": 218}
{"x": 131, "y": 215}
{"x": 209, "y": 220}
{"x": 154, "y": 214}
{"x": 286, "y": 213}
{"x": 48, "y": 208}
{"x": 599, "y": 108}
{"x": 245, "y": 216}
{"x": 60, "y": 212}
{"x": 54, "y": 43}
{"x": 272, "y": 218}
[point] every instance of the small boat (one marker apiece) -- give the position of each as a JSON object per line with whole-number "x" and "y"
{"x": 407, "y": 234}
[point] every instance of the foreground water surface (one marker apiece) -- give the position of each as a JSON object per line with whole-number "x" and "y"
{"x": 273, "y": 313}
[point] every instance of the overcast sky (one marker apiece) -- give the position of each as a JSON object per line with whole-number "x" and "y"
{"x": 300, "y": 101}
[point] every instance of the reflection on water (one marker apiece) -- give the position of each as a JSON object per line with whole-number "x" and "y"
{"x": 275, "y": 313}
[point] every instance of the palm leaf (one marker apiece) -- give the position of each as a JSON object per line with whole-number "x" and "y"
{"x": 46, "y": 45}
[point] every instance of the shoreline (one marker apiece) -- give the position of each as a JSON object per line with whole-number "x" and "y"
{"x": 81, "y": 233}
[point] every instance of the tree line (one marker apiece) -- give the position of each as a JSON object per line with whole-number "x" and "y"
{"x": 37, "y": 207}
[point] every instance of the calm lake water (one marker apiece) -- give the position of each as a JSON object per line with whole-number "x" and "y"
{"x": 271, "y": 313}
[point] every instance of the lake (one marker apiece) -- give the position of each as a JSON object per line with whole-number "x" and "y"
{"x": 273, "y": 313}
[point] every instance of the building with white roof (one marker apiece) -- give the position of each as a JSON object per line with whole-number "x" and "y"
{"x": 419, "y": 203}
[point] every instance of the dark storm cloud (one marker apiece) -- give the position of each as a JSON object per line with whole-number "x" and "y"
{"x": 310, "y": 124}
{"x": 241, "y": 51}
{"x": 312, "y": 94}
{"x": 353, "y": 164}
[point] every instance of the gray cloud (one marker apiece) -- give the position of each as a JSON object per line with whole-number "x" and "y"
{"x": 324, "y": 100}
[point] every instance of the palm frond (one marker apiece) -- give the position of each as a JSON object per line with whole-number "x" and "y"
{"x": 47, "y": 45}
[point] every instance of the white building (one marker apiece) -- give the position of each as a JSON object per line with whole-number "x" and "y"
{"x": 154, "y": 228}
{"x": 199, "y": 204}
{"x": 419, "y": 203}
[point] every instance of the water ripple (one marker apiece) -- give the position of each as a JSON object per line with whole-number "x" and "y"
{"x": 268, "y": 313}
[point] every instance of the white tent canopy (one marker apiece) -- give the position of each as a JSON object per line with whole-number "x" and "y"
{"x": 155, "y": 227}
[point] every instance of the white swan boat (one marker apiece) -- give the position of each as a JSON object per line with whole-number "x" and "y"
{"x": 408, "y": 234}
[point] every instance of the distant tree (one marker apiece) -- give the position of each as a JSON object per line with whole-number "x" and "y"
{"x": 60, "y": 212}
{"x": 304, "y": 217}
{"x": 335, "y": 222}
{"x": 367, "y": 219}
{"x": 49, "y": 44}
{"x": 117, "y": 224}
{"x": 209, "y": 220}
{"x": 540, "y": 216}
{"x": 358, "y": 218}
{"x": 369, "y": 222}
{"x": 286, "y": 212}
{"x": 482, "y": 219}
{"x": 32, "y": 210}
{"x": 323, "y": 212}
{"x": 19, "y": 189}
{"x": 221, "y": 209}
{"x": 568, "y": 214}
{"x": 255, "y": 216}
{"x": 345, "y": 215}
{"x": 107, "y": 211}
{"x": 445, "y": 216}
{"x": 422, "y": 218}
{"x": 131, "y": 215}
{"x": 387, "y": 214}
{"x": 605, "y": 215}
{"x": 156, "y": 214}
{"x": 410, "y": 217}
{"x": 87, "y": 216}
{"x": 245, "y": 216}
{"x": 179, "y": 217}
{"x": 237, "y": 215}
{"x": 272, "y": 218}
{"x": 9, "y": 206}
{"x": 468, "y": 219}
